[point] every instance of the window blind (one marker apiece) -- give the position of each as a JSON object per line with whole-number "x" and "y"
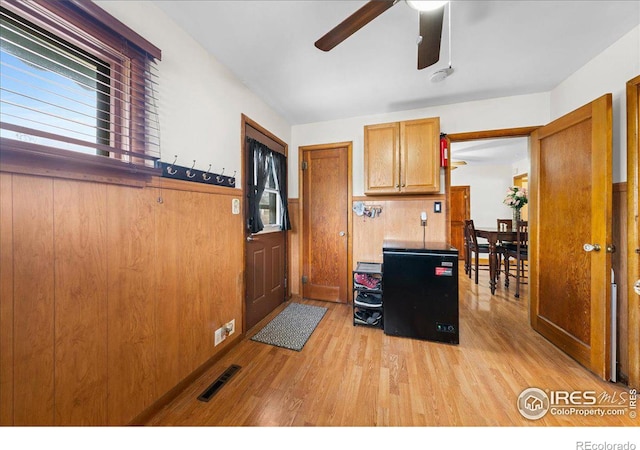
{"x": 76, "y": 83}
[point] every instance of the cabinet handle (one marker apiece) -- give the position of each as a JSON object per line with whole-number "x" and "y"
{"x": 403, "y": 185}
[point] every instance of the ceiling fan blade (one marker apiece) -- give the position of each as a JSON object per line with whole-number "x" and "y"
{"x": 431, "y": 32}
{"x": 353, "y": 23}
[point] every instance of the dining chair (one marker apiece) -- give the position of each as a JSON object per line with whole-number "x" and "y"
{"x": 520, "y": 251}
{"x": 502, "y": 225}
{"x": 473, "y": 249}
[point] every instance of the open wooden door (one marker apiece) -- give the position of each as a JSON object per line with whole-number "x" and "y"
{"x": 570, "y": 231}
{"x": 633, "y": 230}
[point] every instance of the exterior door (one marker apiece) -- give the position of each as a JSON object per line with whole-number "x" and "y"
{"x": 633, "y": 230}
{"x": 265, "y": 262}
{"x": 460, "y": 200}
{"x": 265, "y": 275}
{"x": 325, "y": 212}
{"x": 570, "y": 230}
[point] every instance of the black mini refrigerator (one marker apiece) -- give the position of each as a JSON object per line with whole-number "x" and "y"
{"x": 420, "y": 295}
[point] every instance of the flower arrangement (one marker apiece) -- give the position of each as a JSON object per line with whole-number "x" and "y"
{"x": 516, "y": 197}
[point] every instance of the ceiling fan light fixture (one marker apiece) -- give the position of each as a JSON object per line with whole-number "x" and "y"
{"x": 423, "y": 6}
{"x": 441, "y": 74}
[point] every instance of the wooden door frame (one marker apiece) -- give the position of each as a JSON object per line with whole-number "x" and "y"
{"x": 243, "y": 204}
{"x": 476, "y": 136}
{"x": 633, "y": 180}
{"x": 301, "y": 237}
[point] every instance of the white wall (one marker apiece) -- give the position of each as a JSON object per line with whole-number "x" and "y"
{"x": 521, "y": 167}
{"x": 201, "y": 101}
{"x": 606, "y": 73}
{"x": 506, "y": 112}
{"x": 488, "y": 186}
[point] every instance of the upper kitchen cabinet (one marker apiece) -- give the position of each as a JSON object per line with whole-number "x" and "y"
{"x": 402, "y": 157}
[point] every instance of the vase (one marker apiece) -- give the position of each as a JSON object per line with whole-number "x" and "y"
{"x": 516, "y": 219}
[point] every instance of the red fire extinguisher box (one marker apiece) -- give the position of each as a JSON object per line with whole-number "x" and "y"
{"x": 444, "y": 151}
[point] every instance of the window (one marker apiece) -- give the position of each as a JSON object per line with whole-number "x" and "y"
{"x": 77, "y": 84}
{"x": 270, "y": 202}
{"x": 267, "y": 202}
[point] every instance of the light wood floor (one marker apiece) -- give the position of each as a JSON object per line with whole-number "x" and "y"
{"x": 356, "y": 376}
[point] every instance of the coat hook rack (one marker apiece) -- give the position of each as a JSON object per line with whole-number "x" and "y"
{"x": 195, "y": 175}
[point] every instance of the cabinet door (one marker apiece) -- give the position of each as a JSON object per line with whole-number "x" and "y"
{"x": 420, "y": 159}
{"x": 382, "y": 158}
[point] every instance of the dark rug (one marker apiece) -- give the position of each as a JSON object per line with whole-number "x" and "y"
{"x": 292, "y": 327}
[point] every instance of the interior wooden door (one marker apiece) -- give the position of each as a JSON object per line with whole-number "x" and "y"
{"x": 460, "y": 199}
{"x": 570, "y": 230}
{"x": 325, "y": 211}
{"x": 633, "y": 230}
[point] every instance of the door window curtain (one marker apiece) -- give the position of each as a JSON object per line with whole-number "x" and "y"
{"x": 280, "y": 164}
{"x": 259, "y": 158}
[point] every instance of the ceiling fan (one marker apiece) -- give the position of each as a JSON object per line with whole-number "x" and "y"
{"x": 431, "y": 17}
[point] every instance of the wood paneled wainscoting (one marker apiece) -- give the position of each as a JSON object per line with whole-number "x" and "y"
{"x": 111, "y": 294}
{"x": 399, "y": 219}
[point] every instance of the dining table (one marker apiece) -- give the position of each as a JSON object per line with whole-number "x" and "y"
{"x": 493, "y": 235}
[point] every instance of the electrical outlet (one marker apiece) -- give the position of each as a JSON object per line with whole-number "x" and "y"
{"x": 220, "y": 336}
{"x": 230, "y": 327}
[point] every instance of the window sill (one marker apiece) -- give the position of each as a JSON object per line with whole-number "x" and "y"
{"x": 270, "y": 229}
{"x": 71, "y": 165}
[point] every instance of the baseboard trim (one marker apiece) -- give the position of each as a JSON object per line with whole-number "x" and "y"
{"x": 171, "y": 395}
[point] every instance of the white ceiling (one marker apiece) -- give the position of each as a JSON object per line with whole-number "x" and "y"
{"x": 491, "y": 151}
{"x": 499, "y": 48}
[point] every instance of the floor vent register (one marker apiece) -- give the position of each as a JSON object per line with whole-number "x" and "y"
{"x": 217, "y": 385}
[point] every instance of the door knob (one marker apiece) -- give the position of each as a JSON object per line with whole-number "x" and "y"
{"x": 342, "y": 233}
{"x": 636, "y": 287}
{"x": 591, "y": 248}
{"x": 249, "y": 238}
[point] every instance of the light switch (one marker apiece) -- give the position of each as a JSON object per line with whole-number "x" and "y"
{"x": 437, "y": 207}
{"x": 235, "y": 206}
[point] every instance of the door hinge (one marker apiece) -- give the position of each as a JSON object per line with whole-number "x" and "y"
{"x": 305, "y": 165}
{"x": 305, "y": 280}
{"x": 285, "y": 283}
